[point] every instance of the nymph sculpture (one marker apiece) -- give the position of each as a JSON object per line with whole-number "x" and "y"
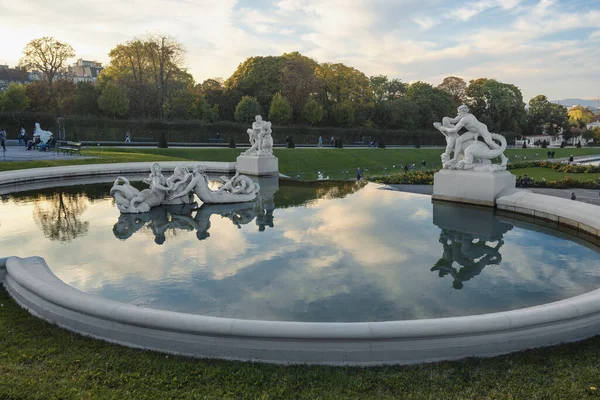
{"x": 476, "y": 155}
{"x": 235, "y": 190}
{"x": 180, "y": 189}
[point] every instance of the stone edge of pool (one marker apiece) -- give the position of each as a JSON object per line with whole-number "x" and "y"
{"x": 35, "y": 288}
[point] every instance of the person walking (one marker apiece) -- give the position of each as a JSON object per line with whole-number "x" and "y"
{"x": 320, "y": 143}
{"x": 358, "y": 175}
{"x": 3, "y": 139}
{"x": 127, "y": 137}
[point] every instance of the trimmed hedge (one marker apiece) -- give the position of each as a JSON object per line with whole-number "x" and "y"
{"x": 99, "y": 129}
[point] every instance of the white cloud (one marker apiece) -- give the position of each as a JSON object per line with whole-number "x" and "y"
{"x": 399, "y": 40}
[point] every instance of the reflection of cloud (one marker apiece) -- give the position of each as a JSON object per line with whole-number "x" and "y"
{"x": 421, "y": 214}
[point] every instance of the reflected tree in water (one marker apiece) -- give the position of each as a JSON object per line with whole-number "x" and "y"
{"x": 59, "y": 215}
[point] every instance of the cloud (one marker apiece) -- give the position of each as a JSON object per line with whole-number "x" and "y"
{"x": 413, "y": 39}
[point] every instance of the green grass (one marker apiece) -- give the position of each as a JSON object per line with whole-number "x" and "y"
{"x": 294, "y": 162}
{"x": 551, "y": 175}
{"x": 41, "y": 361}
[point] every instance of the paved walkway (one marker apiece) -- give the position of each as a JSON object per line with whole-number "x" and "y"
{"x": 20, "y": 153}
{"x": 590, "y": 196}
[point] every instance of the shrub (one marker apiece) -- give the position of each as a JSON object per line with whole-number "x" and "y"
{"x": 231, "y": 143}
{"x": 280, "y": 110}
{"x": 381, "y": 144}
{"x": 162, "y": 141}
{"x": 289, "y": 142}
{"x": 524, "y": 144}
{"x": 563, "y": 144}
{"x": 247, "y": 109}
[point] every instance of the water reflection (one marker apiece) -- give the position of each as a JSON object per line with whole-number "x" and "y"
{"x": 465, "y": 235}
{"x": 189, "y": 218}
{"x": 59, "y": 216}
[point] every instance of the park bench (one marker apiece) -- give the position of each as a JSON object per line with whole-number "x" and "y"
{"x": 69, "y": 147}
{"x": 366, "y": 141}
{"x": 143, "y": 139}
{"x": 214, "y": 140}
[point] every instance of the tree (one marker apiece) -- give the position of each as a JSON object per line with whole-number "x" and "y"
{"x": 86, "y": 99}
{"x": 14, "y": 99}
{"x": 405, "y": 114}
{"x": 48, "y": 56}
{"x": 165, "y": 56}
{"x": 343, "y": 84}
{"x": 64, "y": 92}
{"x": 499, "y": 103}
{"x": 149, "y": 70}
{"x": 247, "y": 109}
{"x": 432, "y": 104}
{"x": 579, "y": 116}
{"x": 455, "y": 87}
{"x": 113, "y": 102}
{"x": 385, "y": 89}
{"x": 40, "y": 97}
{"x": 280, "y": 110}
{"x": 343, "y": 114}
{"x": 258, "y": 77}
{"x": 298, "y": 81}
{"x": 312, "y": 111}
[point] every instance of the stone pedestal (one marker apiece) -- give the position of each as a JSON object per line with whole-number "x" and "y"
{"x": 258, "y": 165}
{"x": 471, "y": 187}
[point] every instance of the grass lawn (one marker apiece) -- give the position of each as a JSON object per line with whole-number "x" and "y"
{"x": 41, "y": 361}
{"x": 551, "y": 175}
{"x": 294, "y": 162}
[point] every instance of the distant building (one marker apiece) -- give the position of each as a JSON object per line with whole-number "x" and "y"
{"x": 594, "y": 124}
{"x": 85, "y": 71}
{"x": 13, "y": 75}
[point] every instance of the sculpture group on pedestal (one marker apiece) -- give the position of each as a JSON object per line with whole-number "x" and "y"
{"x": 476, "y": 155}
{"x": 261, "y": 141}
{"x": 180, "y": 189}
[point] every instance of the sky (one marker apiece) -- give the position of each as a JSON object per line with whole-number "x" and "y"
{"x": 549, "y": 47}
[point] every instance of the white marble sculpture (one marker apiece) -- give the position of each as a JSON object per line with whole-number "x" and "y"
{"x": 179, "y": 189}
{"x": 261, "y": 141}
{"x": 44, "y": 135}
{"x": 476, "y": 155}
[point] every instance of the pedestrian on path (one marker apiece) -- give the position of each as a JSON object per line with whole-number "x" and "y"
{"x": 358, "y": 175}
{"x": 3, "y": 139}
{"x": 320, "y": 144}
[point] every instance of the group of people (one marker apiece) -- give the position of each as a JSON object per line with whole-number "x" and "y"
{"x": 524, "y": 181}
{"x": 550, "y": 154}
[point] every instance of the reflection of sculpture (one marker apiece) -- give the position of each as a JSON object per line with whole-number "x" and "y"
{"x": 476, "y": 155}
{"x": 59, "y": 216}
{"x": 179, "y": 189}
{"x": 163, "y": 218}
{"x": 472, "y": 255}
{"x": 261, "y": 141}
{"x": 465, "y": 232}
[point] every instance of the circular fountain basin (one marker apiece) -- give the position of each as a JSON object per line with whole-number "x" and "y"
{"x": 327, "y": 274}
